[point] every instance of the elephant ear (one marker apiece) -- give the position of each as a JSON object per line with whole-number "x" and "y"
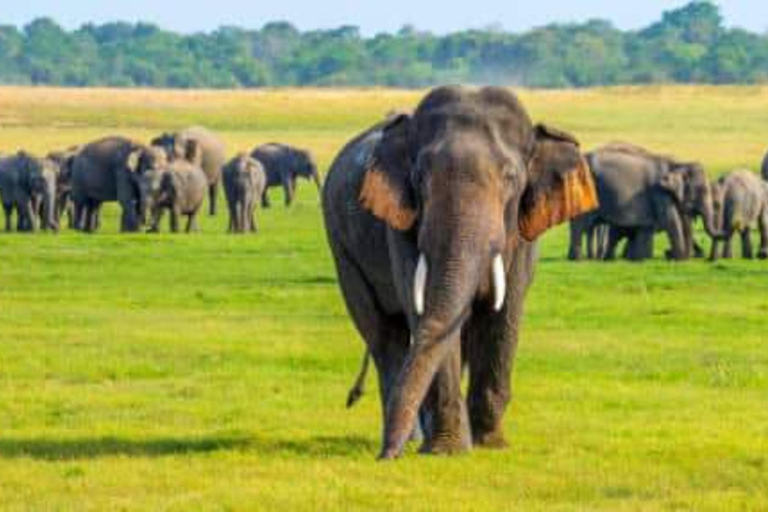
{"x": 560, "y": 184}
{"x": 674, "y": 183}
{"x": 386, "y": 190}
{"x": 133, "y": 162}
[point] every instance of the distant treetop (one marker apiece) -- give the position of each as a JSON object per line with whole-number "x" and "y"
{"x": 688, "y": 45}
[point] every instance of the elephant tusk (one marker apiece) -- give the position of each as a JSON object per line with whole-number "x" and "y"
{"x": 419, "y": 284}
{"x": 499, "y": 283}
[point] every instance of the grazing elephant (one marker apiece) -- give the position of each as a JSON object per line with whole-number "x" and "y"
{"x": 214, "y": 155}
{"x": 642, "y": 193}
{"x": 64, "y": 204}
{"x": 741, "y": 203}
{"x": 179, "y": 187}
{"x": 111, "y": 169}
{"x": 244, "y": 184}
{"x": 28, "y": 185}
{"x": 431, "y": 219}
{"x": 283, "y": 165}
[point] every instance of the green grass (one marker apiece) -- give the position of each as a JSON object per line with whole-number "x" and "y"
{"x": 209, "y": 372}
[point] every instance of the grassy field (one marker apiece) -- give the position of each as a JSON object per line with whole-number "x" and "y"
{"x": 209, "y": 372}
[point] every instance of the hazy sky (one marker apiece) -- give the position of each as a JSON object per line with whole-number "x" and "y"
{"x": 371, "y": 16}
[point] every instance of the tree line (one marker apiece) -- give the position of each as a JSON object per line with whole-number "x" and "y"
{"x": 688, "y": 45}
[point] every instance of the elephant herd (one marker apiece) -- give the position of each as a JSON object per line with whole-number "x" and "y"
{"x": 174, "y": 173}
{"x": 642, "y": 193}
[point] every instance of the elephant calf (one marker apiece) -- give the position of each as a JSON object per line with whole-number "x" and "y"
{"x": 212, "y": 155}
{"x": 64, "y": 160}
{"x": 179, "y": 188}
{"x": 283, "y": 165}
{"x": 28, "y": 186}
{"x": 244, "y": 184}
{"x": 740, "y": 201}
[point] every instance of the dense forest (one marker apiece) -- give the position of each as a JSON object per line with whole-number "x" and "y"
{"x": 687, "y": 45}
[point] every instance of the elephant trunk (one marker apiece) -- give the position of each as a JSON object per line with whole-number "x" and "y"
{"x": 49, "y": 211}
{"x": 446, "y": 282}
{"x": 711, "y": 225}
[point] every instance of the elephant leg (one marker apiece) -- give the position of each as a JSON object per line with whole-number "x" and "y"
{"x": 591, "y": 242}
{"x": 265, "y": 199}
{"x": 232, "y": 215}
{"x": 254, "y": 226}
{"x": 288, "y": 190}
{"x": 674, "y": 228}
{"x": 746, "y": 244}
{"x": 574, "y": 249}
{"x": 387, "y": 337}
{"x": 763, "y": 226}
{"x": 27, "y": 213}
{"x": 213, "y": 193}
{"x": 713, "y": 253}
{"x": 640, "y": 245}
{"x": 614, "y": 237}
{"x": 8, "y": 210}
{"x": 728, "y": 245}
{"x": 175, "y": 214}
{"x": 444, "y": 407}
{"x": 489, "y": 344}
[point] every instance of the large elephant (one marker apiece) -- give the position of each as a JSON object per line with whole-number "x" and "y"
{"x": 214, "y": 155}
{"x": 642, "y": 193}
{"x": 28, "y": 186}
{"x": 64, "y": 205}
{"x": 180, "y": 188}
{"x": 112, "y": 169}
{"x": 244, "y": 184}
{"x": 741, "y": 203}
{"x": 432, "y": 219}
{"x": 283, "y": 165}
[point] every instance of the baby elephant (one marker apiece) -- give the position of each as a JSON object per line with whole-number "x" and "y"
{"x": 740, "y": 202}
{"x": 244, "y": 185}
{"x": 179, "y": 188}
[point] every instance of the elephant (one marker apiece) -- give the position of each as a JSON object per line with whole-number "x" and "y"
{"x": 112, "y": 169}
{"x": 432, "y": 220}
{"x": 283, "y": 165}
{"x": 642, "y": 193}
{"x": 244, "y": 183}
{"x": 214, "y": 155}
{"x": 179, "y": 187}
{"x": 28, "y": 185}
{"x": 64, "y": 204}
{"x": 741, "y": 203}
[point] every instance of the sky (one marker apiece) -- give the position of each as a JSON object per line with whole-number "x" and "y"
{"x": 371, "y": 16}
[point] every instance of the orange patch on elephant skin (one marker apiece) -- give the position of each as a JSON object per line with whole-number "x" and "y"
{"x": 384, "y": 201}
{"x": 574, "y": 196}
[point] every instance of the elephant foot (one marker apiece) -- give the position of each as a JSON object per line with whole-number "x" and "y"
{"x": 493, "y": 440}
{"x": 445, "y": 445}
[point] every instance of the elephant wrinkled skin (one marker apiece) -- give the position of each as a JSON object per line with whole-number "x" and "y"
{"x": 432, "y": 221}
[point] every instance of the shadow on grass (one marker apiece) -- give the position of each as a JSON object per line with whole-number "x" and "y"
{"x": 93, "y": 448}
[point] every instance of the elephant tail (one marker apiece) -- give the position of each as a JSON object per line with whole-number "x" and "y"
{"x": 358, "y": 389}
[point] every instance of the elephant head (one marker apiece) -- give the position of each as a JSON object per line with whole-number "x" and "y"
{"x": 305, "y": 167}
{"x": 694, "y": 193}
{"x": 38, "y": 184}
{"x": 142, "y": 167}
{"x": 469, "y": 178}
